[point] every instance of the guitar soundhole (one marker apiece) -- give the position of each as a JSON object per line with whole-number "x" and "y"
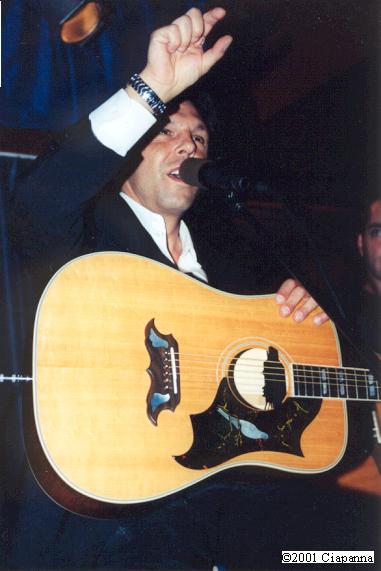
{"x": 259, "y": 377}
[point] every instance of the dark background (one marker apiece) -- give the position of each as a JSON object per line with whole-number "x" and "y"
{"x": 297, "y": 94}
{"x": 298, "y": 97}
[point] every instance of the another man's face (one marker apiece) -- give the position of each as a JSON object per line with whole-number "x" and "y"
{"x": 369, "y": 242}
{"x": 155, "y": 183}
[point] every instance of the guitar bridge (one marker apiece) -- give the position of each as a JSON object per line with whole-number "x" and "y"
{"x": 164, "y": 371}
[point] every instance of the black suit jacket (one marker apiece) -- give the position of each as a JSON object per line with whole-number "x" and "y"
{"x": 61, "y": 219}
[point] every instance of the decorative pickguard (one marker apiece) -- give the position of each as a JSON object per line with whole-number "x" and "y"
{"x": 228, "y": 428}
{"x": 164, "y": 371}
{"x": 231, "y": 426}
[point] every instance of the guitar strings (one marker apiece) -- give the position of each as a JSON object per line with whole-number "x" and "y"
{"x": 247, "y": 381}
{"x": 308, "y": 386}
{"x": 256, "y": 360}
{"x": 306, "y": 377}
{"x": 250, "y": 364}
{"x": 274, "y": 371}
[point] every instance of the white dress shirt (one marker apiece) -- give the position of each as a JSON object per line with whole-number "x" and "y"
{"x": 118, "y": 124}
{"x": 155, "y": 225}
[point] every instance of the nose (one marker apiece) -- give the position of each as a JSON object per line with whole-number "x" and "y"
{"x": 186, "y": 145}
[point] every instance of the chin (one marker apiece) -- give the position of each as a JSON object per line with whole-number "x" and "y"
{"x": 182, "y": 203}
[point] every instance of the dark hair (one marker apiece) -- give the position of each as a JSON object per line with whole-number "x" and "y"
{"x": 204, "y": 105}
{"x": 365, "y": 211}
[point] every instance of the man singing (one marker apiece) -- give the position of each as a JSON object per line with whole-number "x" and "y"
{"x": 241, "y": 525}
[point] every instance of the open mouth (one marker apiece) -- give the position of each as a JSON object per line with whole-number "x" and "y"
{"x": 175, "y": 175}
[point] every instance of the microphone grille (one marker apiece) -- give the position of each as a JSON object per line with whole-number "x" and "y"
{"x": 190, "y": 169}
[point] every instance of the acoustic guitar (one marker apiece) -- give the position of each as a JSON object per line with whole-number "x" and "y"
{"x": 147, "y": 381}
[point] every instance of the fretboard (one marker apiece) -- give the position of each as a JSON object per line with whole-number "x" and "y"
{"x": 335, "y": 382}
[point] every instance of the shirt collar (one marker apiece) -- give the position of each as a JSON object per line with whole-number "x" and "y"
{"x": 154, "y": 224}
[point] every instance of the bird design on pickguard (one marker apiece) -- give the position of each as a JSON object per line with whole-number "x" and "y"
{"x": 246, "y": 428}
{"x": 231, "y": 427}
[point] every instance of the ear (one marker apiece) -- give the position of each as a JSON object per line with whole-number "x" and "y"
{"x": 360, "y": 244}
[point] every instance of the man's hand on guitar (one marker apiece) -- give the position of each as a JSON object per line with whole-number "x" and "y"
{"x": 176, "y": 59}
{"x": 294, "y": 300}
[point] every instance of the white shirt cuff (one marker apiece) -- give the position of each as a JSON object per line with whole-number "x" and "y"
{"x": 120, "y": 122}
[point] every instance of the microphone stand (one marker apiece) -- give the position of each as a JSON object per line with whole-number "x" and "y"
{"x": 328, "y": 299}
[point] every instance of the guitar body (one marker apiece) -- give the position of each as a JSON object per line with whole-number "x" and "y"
{"x": 141, "y": 386}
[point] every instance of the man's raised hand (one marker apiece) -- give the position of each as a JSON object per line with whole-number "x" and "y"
{"x": 176, "y": 59}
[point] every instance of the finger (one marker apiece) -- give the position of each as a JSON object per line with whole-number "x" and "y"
{"x": 215, "y": 53}
{"x": 184, "y": 25}
{"x": 211, "y": 18}
{"x": 285, "y": 290}
{"x": 320, "y": 318}
{"x": 169, "y": 36}
{"x": 305, "y": 309}
{"x": 197, "y": 22}
{"x": 297, "y": 294}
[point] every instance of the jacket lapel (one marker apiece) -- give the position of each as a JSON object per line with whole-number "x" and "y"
{"x": 117, "y": 228}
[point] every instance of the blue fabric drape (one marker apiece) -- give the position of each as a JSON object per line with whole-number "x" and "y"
{"x": 48, "y": 84}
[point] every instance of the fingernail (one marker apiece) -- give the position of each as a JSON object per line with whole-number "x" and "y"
{"x": 279, "y": 298}
{"x": 317, "y": 320}
{"x": 299, "y": 316}
{"x": 228, "y": 44}
{"x": 285, "y": 310}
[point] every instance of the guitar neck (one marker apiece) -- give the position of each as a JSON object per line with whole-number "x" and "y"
{"x": 335, "y": 383}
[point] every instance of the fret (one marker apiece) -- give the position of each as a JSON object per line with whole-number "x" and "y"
{"x": 324, "y": 382}
{"x": 332, "y": 379}
{"x": 361, "y": 384}
{"x": 309, "y": 381}
{"x": 316, "y": 389}
{"x": 342, "y": 384}
{"x": 352, "y": 384}
{"x": 299, "y": 381}
{"x": 305, "y": 381}
{"x": 372, "y": 388}
{"x": 295, "y": 380}
{"x": 335, "y": 382}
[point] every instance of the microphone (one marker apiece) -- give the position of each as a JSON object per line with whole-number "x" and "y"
{"x": 208, "y": 174}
